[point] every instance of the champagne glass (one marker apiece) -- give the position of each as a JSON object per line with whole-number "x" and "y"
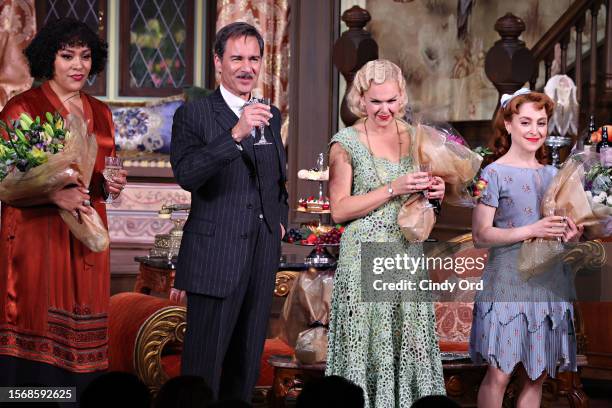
{"x": 426, "y": 168}
{"x": 262, "y": 128}
{"x": 559, "y": 212}
{"x": 112, "y": 166}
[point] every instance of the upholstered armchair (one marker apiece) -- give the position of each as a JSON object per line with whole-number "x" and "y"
{"x": 146, "y": 336}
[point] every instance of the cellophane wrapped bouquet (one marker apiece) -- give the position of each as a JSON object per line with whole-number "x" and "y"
{"x": 582, "y": 187}
{"x": 451, "y": 159}
{"x": 39, "y": 156}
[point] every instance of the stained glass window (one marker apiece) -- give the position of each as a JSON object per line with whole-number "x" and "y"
{"x": 91, "y": 12}
{"x": 156, "y": 47}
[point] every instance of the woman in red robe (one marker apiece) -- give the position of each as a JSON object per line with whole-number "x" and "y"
{"x": 54, "y": 290}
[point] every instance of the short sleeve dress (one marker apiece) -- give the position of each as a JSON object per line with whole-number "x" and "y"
{"x": 517, "y": 321}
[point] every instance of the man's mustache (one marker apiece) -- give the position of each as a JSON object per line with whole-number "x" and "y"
{"x": 245, "y": 75}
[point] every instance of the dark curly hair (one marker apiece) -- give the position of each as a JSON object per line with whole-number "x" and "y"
{"x": 501, "y": 141}
{"x": 59, "y": 34}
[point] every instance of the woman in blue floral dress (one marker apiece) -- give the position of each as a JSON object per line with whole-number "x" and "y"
{"x": 519, "y": 324}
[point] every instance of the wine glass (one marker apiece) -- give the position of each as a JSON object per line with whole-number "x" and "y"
{"x": 262, "y": 128}
{"x": 112, "y": 166}
{"x": 426, "y": 168}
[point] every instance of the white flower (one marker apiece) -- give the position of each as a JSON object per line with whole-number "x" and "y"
{"x": 609, "y": 201}
{"x": 599, "y": 199}
{"x": 603, "y": 195}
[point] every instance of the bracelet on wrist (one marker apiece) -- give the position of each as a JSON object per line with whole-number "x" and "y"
{"x": 390, "y": 189}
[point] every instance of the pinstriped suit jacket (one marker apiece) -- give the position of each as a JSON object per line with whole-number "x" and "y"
{"x": 219, "y": 234}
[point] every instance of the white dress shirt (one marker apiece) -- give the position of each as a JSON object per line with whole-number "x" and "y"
{"x": 234, "y": 102}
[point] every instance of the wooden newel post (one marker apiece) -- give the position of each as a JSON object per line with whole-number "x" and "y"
{"x": 353, "y": 49}
{"x": 509, "y": 63}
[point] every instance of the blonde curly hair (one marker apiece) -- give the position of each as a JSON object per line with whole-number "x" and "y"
{"x": 377, "y": 71}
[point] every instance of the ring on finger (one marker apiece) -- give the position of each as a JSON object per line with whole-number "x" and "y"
{"x": 86, "y": 203}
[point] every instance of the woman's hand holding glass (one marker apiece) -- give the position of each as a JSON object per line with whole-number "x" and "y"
{"x": 552, "y": 226}
{"x": 436, "y": 189}
{"x": 556, "y": 224}
{"x": 411, "y": 183}
{"x": 573, "y": 232}
{"x": 115, "y": 178}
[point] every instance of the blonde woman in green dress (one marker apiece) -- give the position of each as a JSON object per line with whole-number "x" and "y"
{"x": 388, "y": 348}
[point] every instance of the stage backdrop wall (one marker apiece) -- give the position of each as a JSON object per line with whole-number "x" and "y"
{"x": 441, "y": 48}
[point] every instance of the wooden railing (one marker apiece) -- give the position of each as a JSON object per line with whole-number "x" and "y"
{"x": 599, "y": 75}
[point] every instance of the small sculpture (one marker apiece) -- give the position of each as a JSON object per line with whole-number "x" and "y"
{"x": 564, "y": 121}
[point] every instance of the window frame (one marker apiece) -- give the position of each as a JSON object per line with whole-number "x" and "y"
{"x": 125, "y": 87}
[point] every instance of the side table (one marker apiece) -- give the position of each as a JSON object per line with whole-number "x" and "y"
{"x": 289, "y": 378}
{"x": 156, "y": 274}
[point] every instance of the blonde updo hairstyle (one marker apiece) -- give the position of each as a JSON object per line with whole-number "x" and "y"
{"x": 377, "y": 71}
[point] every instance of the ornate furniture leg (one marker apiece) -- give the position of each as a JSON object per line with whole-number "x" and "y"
{"x": 570, "y": 387}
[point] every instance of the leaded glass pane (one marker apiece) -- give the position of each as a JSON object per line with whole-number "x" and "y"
{"x": 158, "y": 48}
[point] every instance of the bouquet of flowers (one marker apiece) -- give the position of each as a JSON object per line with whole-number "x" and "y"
{"x": 473, "y": 191}
{"x": 30, "y": 142}
{"x": 451, "y": 159}
{"x": 305, "y": 316}
{"x": 581, "y": 187}
{"x": 598, "y": 185}
{"x": 41, "y": 156}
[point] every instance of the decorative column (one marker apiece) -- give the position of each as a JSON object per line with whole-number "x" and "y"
{"x": 353, "y": 49}
{"x": 509, "y": 63}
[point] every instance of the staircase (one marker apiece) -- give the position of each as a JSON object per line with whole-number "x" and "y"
{"x": 590, "y": 67}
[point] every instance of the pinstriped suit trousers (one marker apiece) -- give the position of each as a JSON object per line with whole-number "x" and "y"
{"x": 225, "y": 336}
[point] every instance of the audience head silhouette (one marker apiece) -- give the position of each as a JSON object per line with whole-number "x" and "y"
{"x": 230, "y": 404}
{"x": 331, "y": 392}
{"x": 185, "y": 391}
{"x": 435, "y": 401}
{"x": 116, "y": 389}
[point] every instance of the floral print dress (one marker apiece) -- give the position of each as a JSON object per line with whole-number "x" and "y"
{"x": 517, "y": 321}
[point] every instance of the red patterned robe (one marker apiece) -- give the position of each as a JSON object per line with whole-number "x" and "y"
{"x": 54, "y": 290}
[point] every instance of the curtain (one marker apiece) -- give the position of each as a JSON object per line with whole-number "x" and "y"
{"x": 271, "y": 18}
{"x": 17, "y": 27}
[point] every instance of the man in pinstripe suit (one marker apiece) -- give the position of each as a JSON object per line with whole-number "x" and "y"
{"x": 231, "y": 242}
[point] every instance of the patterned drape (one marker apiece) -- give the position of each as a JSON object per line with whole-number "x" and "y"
{"x": 271, "y": 18}
{"x": 17, "y": 27}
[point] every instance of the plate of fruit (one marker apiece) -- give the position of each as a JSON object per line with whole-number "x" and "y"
{"x": 315, "y": 235}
